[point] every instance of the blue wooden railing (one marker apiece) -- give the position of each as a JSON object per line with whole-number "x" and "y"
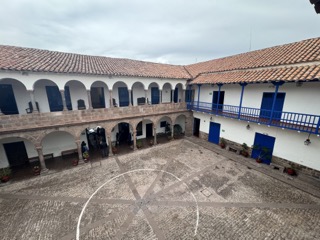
{"x": 288, "y": 120}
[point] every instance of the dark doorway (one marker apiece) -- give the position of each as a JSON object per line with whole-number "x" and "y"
{"x": 217, "y": 103}
{"x": 16, "y": 153}
{"x": 155, "y": 98}
{"x": 97, "y": 97}
{"x": 214, "y": 133}
{"x": 267, "y": 102}
{"x": 8, "y": 103}
{"x": 175, "y": 95}
{"x": 54, "y": 98}
{"x": 196, "y": 127}
{"x": 149, "y": 130}
{"x": 68, "y": 97}
{"x": 124, "y": 135}
{"x": 123, "y": 96}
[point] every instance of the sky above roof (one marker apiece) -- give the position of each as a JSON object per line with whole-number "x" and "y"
{"x": 165, "y": 31}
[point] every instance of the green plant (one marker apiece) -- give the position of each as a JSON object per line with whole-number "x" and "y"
{"x": 223, "y": 143}
{"x": 139, "y": 143}
{"x": 5, "y": 174}
{"x": 263, "y": 153}
{"x": 244, "y": 151}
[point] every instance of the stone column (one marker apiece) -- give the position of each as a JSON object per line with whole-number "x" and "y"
{"x": 130, "y": 99}
{"x": 154, "y": 135}
{"x": 41, "y": 158}
{"x": 172, "y": 131}
{"x": 64, "y": 102}
{"x": 160, "y": 97}
{"x": 172, "y": 96}
{"x": 78, "y": 142}
{"x": 33, "y": 102}
{"x": 89, "y": 99}
{"x": 110, "y": 144}
{"x": 183, "y": 96}
{"x": 111, "y": 101}
{"x": 134, "y": 140}
{"x": 146, "y": 96}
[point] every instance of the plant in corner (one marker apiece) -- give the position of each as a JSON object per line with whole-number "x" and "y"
{"x": 139, "y": 143}
{"x": 223, "y": 143}
{"x": 244, "y": 152}
{"x": 263, "y": 154}
{"x": 5, "y": 174}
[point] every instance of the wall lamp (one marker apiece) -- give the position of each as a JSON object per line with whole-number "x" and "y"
{"x": 307, "y": 141}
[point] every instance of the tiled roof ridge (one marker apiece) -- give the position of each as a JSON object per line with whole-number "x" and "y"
{"x": 204, "y": 67}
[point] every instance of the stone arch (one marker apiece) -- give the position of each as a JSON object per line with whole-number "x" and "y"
{"x": 49, "y": 131}
{"x": 28, "y": 137}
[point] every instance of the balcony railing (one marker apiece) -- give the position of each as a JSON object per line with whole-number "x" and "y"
{"x": 296, "y": 121}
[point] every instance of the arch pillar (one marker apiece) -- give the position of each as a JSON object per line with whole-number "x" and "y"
{"x": 111, "y": 101}
{"x": 64, "y": 102}
{"x": 183, "y": 96}
{"x": 78, "y": 142}
{"x": 41, "y": 158}
{"x": 154, "y": 135}
{"x": 89, "y": 99}
{"x": 110, "y": 144}
{"x": 146, "y": 96}
{"x": 172, "y": 96}
{"x": 130, "y": 98}
{"x": 134, "y": 140}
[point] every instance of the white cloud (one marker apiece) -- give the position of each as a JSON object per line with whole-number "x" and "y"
{"x": 177, "y": 32}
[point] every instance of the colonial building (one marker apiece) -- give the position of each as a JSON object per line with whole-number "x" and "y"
{"x": 50, "y": 101}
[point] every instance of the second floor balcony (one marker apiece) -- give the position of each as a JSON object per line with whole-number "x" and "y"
{"x": 301, "y": 122}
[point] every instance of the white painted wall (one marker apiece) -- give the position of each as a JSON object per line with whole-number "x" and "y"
{"x": 40, "y": 94}
{"x": 144, "y": 123}
{"x": 288, "y": 145}
{"x": 137, "y": 92}
{"x": 56, "y": 142}
{"x": 166, "y": 93}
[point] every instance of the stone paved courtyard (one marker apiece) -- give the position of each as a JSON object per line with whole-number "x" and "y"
{"x": 150, "y": 194}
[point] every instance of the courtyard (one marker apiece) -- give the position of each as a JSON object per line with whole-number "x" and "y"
{"x": 176, "y": 190}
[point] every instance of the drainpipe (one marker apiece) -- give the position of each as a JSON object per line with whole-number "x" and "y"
{"x": 277, "y": 84}
{"x": 241, "y": 97}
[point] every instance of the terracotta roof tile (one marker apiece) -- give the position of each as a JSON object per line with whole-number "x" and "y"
{"x": 298, "y": 52}
{"x": 36, "y": 60}
{"x": 288, "y": 74}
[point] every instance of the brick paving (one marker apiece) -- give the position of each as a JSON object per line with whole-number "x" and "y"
{"x": 236, "y": 198}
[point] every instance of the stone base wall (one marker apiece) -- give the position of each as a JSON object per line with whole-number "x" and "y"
{"x": 189, "y": 125}
{"x": 277, "y": 160}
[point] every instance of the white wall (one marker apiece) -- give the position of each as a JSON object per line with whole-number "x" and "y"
{"x": 77, "y": 91}
{"x": 56, "y": 142}
{"x": 137, "y": 92}
{"x": 288, "y": 145}
{"x": 166, "y": 93}
{"x": 40, "y": 95}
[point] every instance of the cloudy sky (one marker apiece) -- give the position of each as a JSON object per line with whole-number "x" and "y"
{"x": 167, "y": 31}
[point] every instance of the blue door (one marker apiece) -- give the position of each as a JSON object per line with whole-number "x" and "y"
{"x": 68, "y": 97}
{"x": 266, "y": 105}
{"x": 123, "y": 96}
{"x": 8, "y": 103}
{"x": 155, "y": 95}
{"x": 175, "y": 95}
{"x": 214, "y": 133}
{"x": 263, "y": 147}
{"x": 54, "y": 98}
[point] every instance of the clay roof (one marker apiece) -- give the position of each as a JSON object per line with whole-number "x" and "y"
{"x": 299, "y": 52}
{"x": 36, "y": 60}
{"x": 288, "y": 74}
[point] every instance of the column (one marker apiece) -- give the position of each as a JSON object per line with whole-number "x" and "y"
{"x": 33, "y": 102}
{"x": 134, "y": 140}
{"x": 130, "y": 98}
{"x": 110, "y": 144}
{"x": 78, "y": 142}
{"x": 172, "y": 96}
{"x": 183, "y": 96}
{"x": 277, "y": 84}
{"x": 41, "y": 158}
{"x": 241, "y": 97}
{"x": 154, "y": 135}
{"x": 111, "y": 99}
{"x": 89, "y": 99}
{"x": 160, "y": 96}
{"x": 172, "y": 131}
{"x": 64, "y": 102}
{"x": 146, "y": 96}
{"x": 199, "y": 86}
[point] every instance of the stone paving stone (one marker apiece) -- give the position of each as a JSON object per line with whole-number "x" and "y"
{"x": 243, "y": 203}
